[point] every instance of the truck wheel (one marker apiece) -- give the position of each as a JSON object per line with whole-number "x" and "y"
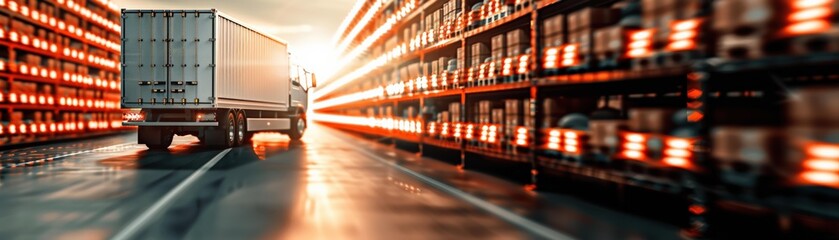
{"x": 156, "y": 138}
{"x": 242, "y": 134}
{"x": 225, "y": 134}
{"x": 298, "y": 127}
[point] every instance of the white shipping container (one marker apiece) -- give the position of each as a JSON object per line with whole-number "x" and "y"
{"x": 203, "y": 56}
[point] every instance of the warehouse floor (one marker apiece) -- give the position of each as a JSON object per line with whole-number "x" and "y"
{"x": 330, "y": 185}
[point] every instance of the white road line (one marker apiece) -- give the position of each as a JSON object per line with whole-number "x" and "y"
{"x": 511, "y": 217}
{"x": 53, "y": 158}
{"x": 155, "y": 210}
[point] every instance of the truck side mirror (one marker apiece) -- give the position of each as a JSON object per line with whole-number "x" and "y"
{"x": 314, "y": 81}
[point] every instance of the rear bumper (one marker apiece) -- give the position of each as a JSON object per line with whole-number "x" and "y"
{"x": 171, "y": 124}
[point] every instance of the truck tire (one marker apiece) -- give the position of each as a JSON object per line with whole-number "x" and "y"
{"x": 298, "y": 127}
{"x": 223, "y": 136}
{"x": 242, "y": 134}
{"x": 156, "y": 138}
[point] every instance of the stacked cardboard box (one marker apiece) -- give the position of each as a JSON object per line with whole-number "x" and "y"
{"x": 527, "y": 119}
{"x": 660, "y": 14}
{"x": 512, "y": 117}
{"x": 442, "y": 64}
{"x": 498, "y": 44}
{"x": 478, "y": 54}
{"x": 454, "y": 109}
{"x": 444, "y": 116}
{"x": 484, "y": 112}
{"x": 652, "y": 120}
{"x": 609, "y": 44}
{"x": 581, "y": 26}
{"x": 729, "y": 17}
{"x": 554, "y": 31}
{"x": 550, "y": 115}
{"x": 518, "y": 42}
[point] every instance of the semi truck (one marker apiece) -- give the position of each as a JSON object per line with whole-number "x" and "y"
{"x": 203, "y": 73}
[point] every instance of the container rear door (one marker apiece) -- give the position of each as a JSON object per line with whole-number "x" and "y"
{"x": 191, "y": 54}
{"x": 145, "y": 58}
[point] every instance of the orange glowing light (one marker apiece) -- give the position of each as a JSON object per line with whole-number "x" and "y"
{"x": 676, "y": 161}
{"x": 811, "y": 26}
{"x": 640, "y": 44}
{"x": 822, "y": 165}
{"x": 678, "y": 143}
{"x": 810, "y": 3}
{"x": 826, "y": 178}
{"x": 641, "y": 35}
{"x": 696, "y": 209}
{"x": 635, "y": 137}
{"x": 686, "y": 25}
{"x": 633, "y": 146}
{"x": 824, "y": 151}
{"x": 695, "y": 116}
{"x": 633, "y": 154}
{"x": 638, "y": 52}
{"x": 810, "y": 14}
{"x": 683, "y": 35}
{"x": 677, "y": 152}
{"x": 269, "y": 137}
{"x": 682, "y": 45}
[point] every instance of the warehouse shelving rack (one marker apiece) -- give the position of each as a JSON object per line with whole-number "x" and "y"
{"x": 59, "y": 69}
{"x": 696, "y": 85}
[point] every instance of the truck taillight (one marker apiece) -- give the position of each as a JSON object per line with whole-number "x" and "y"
{"x": 640, "y": 43}
{"x": 821, "y": 165}
{"x": 470, "y": 131}
{"x": 809, "y": 16}
{"x": 634, "y": 146}
{"x": 432, "y": 128}
{"x": 684, "y": 34}
{"x": 205, "y": 117}
{"x": 133, "y": 117}
{"x": 457, "y": 129}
